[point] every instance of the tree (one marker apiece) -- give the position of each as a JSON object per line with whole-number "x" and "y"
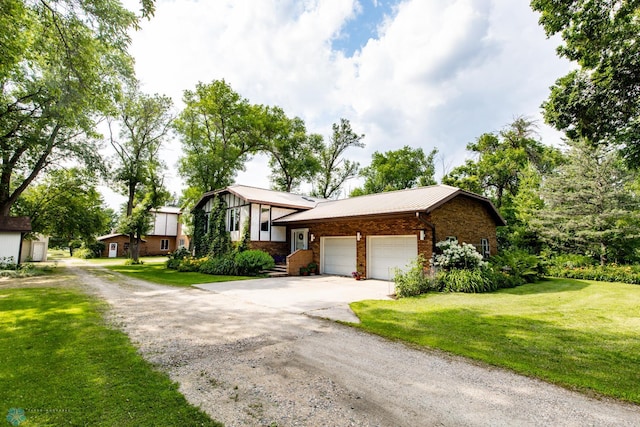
{"x": 599, "y": 102}
{"x": 66, "y": 206}
{"x": 500, "y": 161}
{"x": 61, "y": 65}
{"x": 144, "y": 124}
{"x": 334, "y": 169}
{"x": 291, "y": 150}
{"x": 218, "y": 130}
{"x": 397, "y": 170}
{"x": 588, "y": 207}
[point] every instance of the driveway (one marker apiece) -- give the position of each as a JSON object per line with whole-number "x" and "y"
{"x": 320, "y": 296}
{"x": 250, "y": 360}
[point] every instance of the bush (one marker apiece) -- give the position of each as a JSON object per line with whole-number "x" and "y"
{"x": 8, "y": 263}
{"x": 457, "y": 256}
{"x": 191, "y": 264}
{"x": 220, "y": 266}
{"x": 519, "y": 265}
{"x": 131, "y": 261}
{"x": 84, "y": 253}
{"x": 608, "y": 273}
{"x": 572, "y": 261}
{"x": 96, "y": 247}
{"x": 176, "y": 257}
{"x": 414, "y": 280}
{"x": 251, "y": 262}
{"x": 468, "y": 281}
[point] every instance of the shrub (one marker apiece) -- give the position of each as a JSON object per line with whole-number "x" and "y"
{"x": 8, "y": 263}
{"x": 457, "y": 256}
{"x": 572, "y": 261}
{"x": 519, "y": 265}
{"x": 176, "y": 257}
{"x": 191, "y": 264}
{"x": 251, "y": 262}
{"x": 220, "y": 266}
{"x": 414, "y": 280}
{"x": 84, "y": 253}
{"x": 131, "y": 261}
{"x": 608, "y": 273}
{"x": 96, "y": 247}
{"x": 468, "y": 281}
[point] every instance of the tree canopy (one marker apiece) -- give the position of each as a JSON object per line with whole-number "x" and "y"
{"x": 600, "y": 102}
{"x": 61, "y": 65}
{"x": 396, "y": 170}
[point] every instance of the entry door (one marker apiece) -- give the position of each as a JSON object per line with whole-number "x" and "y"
{"x": 113, "y": 250}
{"x": 38, "y": 251}
{"x": 299, "y": 239}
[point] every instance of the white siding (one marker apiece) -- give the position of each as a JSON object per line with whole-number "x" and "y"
{"x": 10, "y": 245}
{"x": 255, "y": 221}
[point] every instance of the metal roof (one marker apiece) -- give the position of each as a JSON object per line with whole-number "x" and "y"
{"x": 422, "y": 199}
{"x": 264, "y": 196}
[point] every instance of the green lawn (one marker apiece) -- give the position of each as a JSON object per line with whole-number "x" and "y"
{"x": 578, "y": 334}
{"x": 158, "y": 273}
{"x": 61, "y": 365}
{"x": 121, "y": 261}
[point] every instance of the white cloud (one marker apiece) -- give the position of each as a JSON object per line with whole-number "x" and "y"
{"x": 439, "y": 74}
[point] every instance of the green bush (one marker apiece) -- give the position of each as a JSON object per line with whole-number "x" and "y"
{"x": 191, "y": 264}
{"x": 572, "y": 261}
{"x": 220, "y": 266}
{"x": 468, "y": 281}
{"x": 608, "y": 273}
{"x": 520, "y": 266}
{"x": 414, "y": 280}
{"x": 457, "y": 256}
{"x": 96, "y": 247}
{"x": 251, "y": 262}
{"x": 131, "y": 261}
{"x": 176, "y": 257}
{"x": 84, "y": 253}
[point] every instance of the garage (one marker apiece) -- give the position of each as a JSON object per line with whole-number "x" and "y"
{"x": 338, "y": 255}
{"x": 386, "y": 253}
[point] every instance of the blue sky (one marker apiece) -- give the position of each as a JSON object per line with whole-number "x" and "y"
{"x": 423, "y": 73}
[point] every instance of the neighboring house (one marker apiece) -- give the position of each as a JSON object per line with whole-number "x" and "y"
{"x": 165, "y": 236}
{"x": 373, "y": 234}
{"x": 34, "y": 248}
{"x": 258, "y": 208}
{"x": 12, "y": 232}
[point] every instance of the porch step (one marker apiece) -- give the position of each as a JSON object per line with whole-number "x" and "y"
{"x": 279, "y": 270}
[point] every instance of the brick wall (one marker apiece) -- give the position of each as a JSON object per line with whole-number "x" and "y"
{"x": 297, "y": 260}
{"x": 467, "y": 219}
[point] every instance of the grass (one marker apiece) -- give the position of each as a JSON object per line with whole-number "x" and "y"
{"x": 61, "y": 364}
{"x": 121, "y": 260}
{"x": 158, "y": 273}
{"x": 579, "y": 334}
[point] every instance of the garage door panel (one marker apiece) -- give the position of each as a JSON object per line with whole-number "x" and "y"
{"x": 386, "y": 253}
{"x": 339, "y": 255}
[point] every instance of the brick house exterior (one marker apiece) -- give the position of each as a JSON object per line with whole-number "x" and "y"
{"x": 373, "y": 234}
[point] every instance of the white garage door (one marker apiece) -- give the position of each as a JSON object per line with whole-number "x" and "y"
{"x": 386, "y": 253}
{"x": 338, "y": 255}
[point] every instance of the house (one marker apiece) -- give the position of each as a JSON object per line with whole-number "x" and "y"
{"x": 166, "y": 235}
{"x": 373, "y": 234}
{"x": 258, "y": 208}
{"x": 12, "y": 232}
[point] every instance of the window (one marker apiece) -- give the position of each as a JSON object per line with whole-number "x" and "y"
{"x": 484, "y": 248}
{"x": 265, "y": 216}
{"x": 164, "y": 244}
{"x": 181, "y": 243}
{"x": 234, "y": 219}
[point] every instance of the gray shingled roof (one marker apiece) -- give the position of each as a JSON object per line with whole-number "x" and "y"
{"x": 270, "y": 197}
{"x": 422, "y": 199}
{"x": 15, "y": 223}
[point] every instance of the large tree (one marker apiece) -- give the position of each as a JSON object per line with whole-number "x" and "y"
{"x": 291, "y": 150}
{"x": 600, "y": 102}
{"x": 334, "y": 168}
{"x": 218, "y": 130}
{"x": 588, "y": 206}
{"x": 66, "y": 206}
{"x": 61, "y": 64}
{"x": 398, "y": 169}
{"x": 144, "y": 122}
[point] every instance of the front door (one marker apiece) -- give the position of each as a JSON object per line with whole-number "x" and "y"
{"x": 299, "y": 239}
{"x": 113, "y": 250}
{"x": 38, "y": 251}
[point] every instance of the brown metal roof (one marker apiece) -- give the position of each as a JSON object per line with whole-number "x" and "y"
{"x": 422, "y": 199}
{"x": 15, "y": 223}
{"x": 264, "y": 196}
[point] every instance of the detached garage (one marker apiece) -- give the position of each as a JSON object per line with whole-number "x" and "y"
{"x": 377, "y": 233}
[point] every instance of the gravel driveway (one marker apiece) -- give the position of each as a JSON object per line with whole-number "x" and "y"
{"x": 248, "y": 364}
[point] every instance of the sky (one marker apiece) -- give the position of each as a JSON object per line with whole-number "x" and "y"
{"x": 422, "y": 73}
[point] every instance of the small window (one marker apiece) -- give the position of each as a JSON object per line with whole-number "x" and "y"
{"x": 234, "y": 219}
{"x": 265, "y": 217}
{"x": 126, "y": 246}
{"x": 181, "y": 243}
{"x": 164, "y": 244}
{"x": 485, "y": 250}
